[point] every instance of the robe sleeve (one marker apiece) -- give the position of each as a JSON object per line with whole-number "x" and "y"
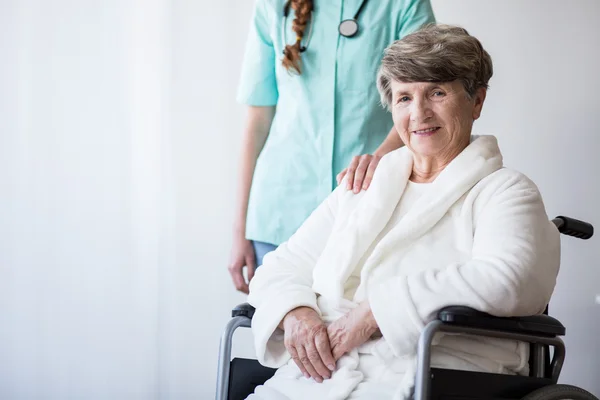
{"x": 512, "y": 271}
{"x": 285, "y": 279}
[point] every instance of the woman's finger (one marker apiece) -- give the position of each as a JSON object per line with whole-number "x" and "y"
{"x": 303, "y": 356}
{"x": 335, "y": 333}
{"x": 296, "y": 359}
{"x": 315, "y": 357}
{"x": 324, "y": 349}
{"x": 317, "y": 363}
{"x": 370, "y": 172}
{"x": 337, "y": 352}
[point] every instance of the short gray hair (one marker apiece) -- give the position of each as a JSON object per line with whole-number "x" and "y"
{"x": 435, "y": 53}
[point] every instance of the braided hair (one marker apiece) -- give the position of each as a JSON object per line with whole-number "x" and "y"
{"x": 291, "y": 53}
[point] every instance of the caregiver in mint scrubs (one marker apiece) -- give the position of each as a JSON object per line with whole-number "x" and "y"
{"x": 308, "y": 79}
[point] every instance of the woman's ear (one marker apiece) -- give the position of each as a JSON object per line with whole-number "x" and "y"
{"x": 479, "y": 99}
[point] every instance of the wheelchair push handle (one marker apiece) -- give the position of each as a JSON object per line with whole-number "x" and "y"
{"x": 574, "y": 227}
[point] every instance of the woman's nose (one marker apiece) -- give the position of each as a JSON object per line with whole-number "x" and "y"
{"x": 420, "y": 111}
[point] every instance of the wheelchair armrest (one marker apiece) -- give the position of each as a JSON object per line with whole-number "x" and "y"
{"x": 543, "y": 325}
{"x": 243, "y": 310}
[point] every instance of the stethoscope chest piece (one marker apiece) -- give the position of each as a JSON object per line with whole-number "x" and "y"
{"x": 348, "y": 28}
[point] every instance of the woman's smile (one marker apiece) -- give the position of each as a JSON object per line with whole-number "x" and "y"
{"x": 427, "y": 131}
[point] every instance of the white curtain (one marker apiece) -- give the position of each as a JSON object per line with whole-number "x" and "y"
{"x": 84, "y": 197}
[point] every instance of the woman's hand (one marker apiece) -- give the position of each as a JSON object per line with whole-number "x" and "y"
{"x": 352, "y": 330}
{"x": 360, "y": 172}
{"x": 242, "y": 255}
{"x": 307, "y": 341}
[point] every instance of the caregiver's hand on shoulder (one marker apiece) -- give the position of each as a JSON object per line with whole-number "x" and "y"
{"x": 306, "y": 340}
{"x": 242, "y": 255}
{"x": 360, "y": 172}
{"x": 352, "y": 330}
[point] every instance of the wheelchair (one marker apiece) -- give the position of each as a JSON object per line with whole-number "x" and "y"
{"x": 237, "y": 379}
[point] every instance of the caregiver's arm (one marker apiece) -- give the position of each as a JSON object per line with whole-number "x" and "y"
{"x": 512, "y": 270}
{"x": 392, "y": 142}
{"x": 258, "y": 124}
{"x": 284, "y": 282}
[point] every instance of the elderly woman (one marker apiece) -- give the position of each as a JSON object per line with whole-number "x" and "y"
{"x": 341, "y": 305}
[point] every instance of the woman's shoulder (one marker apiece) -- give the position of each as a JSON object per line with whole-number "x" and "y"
{"x": 504, "y": 186}
{"x": 506, "y": 178}
{"x": 391, "y": 159}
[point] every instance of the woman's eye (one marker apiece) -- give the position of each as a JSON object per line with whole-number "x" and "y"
{"x": 403, "y": 99}
{"x": 438, "y": 93}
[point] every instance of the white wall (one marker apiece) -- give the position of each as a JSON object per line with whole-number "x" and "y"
{"x": 208, "y": 43}
{"x": 119, "y": 137}
{"x": 81, "y": 210}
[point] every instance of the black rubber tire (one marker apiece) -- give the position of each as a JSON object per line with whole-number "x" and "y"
{"x": 560, "y": 392}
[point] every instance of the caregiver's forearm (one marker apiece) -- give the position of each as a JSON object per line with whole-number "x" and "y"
{"x": 258, "y": 124}
{"x": 391, "y": 143}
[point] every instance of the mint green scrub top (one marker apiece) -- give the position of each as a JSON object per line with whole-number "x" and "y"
{"x": 326, "y": 115}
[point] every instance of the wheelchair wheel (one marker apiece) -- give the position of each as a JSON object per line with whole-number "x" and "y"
{"x": 560, "y": 392}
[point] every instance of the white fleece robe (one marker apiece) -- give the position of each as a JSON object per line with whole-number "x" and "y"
{"x": 479, "y": 237}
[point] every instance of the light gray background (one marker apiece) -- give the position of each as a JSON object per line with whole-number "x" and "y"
{"x": 119, "y": 138}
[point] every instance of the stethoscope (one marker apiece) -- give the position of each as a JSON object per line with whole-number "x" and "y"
{"x": 347, "y": 28}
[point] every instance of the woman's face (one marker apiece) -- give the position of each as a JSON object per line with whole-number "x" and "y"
{"x": 434, "y": 119}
